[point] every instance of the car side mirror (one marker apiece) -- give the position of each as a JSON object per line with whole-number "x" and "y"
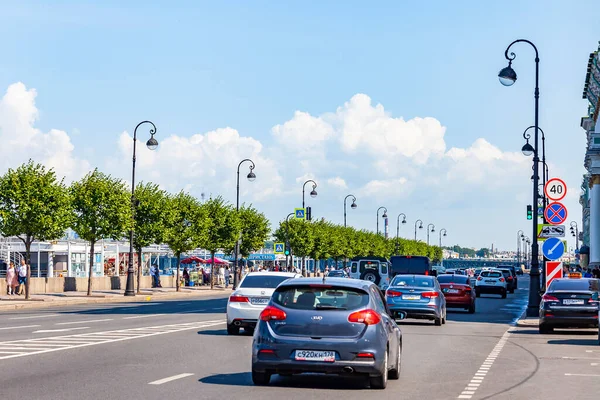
{"x": 400, "y": 315}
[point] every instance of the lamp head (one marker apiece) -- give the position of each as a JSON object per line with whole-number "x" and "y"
{"x": 152, "y": 143}
{"x": 507, "y": 75}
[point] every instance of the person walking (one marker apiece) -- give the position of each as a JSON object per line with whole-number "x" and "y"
{"x": 227, "y": 276}
{"x": 22, "y": 278}
{"x": 11, "y": 279}
{"x": 186, "y": 276}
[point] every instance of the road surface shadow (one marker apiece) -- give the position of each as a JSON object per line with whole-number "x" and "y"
{"x": 414, "y": 323}
{"x": 556, "y": 332}
{"x": 235, "y": 379}
{"x": 575, "y": 342}
{"x": 223, "y": 332}
{"x": 304, "y": 381}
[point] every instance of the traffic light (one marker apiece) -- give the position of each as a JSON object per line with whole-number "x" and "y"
{"x": 529, "y": 212}
{"x": 287, "y": 249}
{"x": 308, "y": 214}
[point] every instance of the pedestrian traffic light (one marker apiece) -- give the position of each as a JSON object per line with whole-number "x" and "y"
{"x": 308, "y": 214}
{"x": 529, "y": 212}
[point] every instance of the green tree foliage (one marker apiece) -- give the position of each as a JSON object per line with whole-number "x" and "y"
{"x": 301, "y": 238}
{"x": 34, "y": 205}
{"x": 102, "y": 209}
{"x": 222, "y": 228}
{"x": 149, "y": 219}
{"x": 255, "y": 229}
{"x": 185, "y": 225}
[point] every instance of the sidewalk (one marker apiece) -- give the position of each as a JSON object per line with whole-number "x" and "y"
{"x": 106, "y": 296}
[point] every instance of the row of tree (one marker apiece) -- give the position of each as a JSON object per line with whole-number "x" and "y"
{"x": 467, "y": 252}
{"x": 36, "y": 206}
{"x": 323, "y": 240}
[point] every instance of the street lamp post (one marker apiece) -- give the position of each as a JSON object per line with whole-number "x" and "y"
{"x": 398, "y": 230}
{"x": 251, "y": 177}
{"x": 432, "y": 230}
{"x": 353, "y": 206}
{"x": 383, "y": 216}
{"x": 507, "y": 77}
{"x": 519, "y": 236}
{"x": 445, "y": 234}
{"x": 575, "y": 232}
{"x": 287, "y": 238}
{"x": 420, "y": 227}
{"x": 313, "y": 192}
{"x": 152, "y": 144}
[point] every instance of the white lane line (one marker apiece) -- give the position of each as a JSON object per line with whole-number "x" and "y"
{"x": 143, "y": 316}
{"x": 481, "y": 373}
{"x": 83, "y": 322}
{"x": 170, "y": 378}
{"x": 19, "y": 327}
{"x": 582, "y": 375}
{"x": 61, "y": 330}
{"x": 36, "y": 316}
{"x": 594, "y": 364}
{"x": 580, "y": 358}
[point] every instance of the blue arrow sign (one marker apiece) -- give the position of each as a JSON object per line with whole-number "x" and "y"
{"x": 553, "y": 248}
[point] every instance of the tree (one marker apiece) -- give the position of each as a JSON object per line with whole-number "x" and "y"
{"x": 222, "y": 228}
{"x": 301, "y": 239}
{"x": 185, "y": 225}
{"x": 255, "y": 229}
{"x": 149, "y": 217}
{"x": 34, "y": 205}
{"x": 102, "y": 209}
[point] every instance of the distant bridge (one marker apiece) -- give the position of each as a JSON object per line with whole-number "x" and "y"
{"x": 476, "y": 262}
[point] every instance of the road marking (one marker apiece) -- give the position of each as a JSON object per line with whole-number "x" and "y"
{"x": 170, "y": 378}
{"x": 143, "y": 316}
{"x": 89, "y": 339}
{"x": 36, "y": 316}
{"x": 19, "y": 327}
{"x": 61, "y": 330}
{"x": 594, "y": 364}
{"x": 580, "y": 358}
{"x": 83, "y": 322}
{"x": 481, "y": 373}
{"x": 592, "y": 375}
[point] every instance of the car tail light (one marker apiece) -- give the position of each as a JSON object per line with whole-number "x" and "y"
{"x": 393, "y": 293}
{"x": 266, "y": 351}
{"x": 271, "y": 313}
{"x": 510, "y": 278}
{"x": 367, "y": 317}
{"x": 238, "y": 299}
{"x": 501, "y": 279}
{"x": 479, "y": 278}
{"x": 467, "y": 289}
{"x": 365, "y": 355}
{"x": 593, "y": 302}
{"x": 426, "y": 273}
{"x": 430, "y": 294}
{"x": 547, "y": 298}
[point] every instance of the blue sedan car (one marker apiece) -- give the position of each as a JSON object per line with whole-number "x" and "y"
{"x": 417, "y": 296}
{"x": 329, "y": 325}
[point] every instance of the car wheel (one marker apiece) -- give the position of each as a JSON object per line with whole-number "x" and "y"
{"x": 512, "y": 290}
{"x": 371, "y": 276}
{"x": 444, "y": 317}
{"x": 472, "y": 308}
{"x": 546, "y": 329}
{"x": 438, "y": 321}
{"x": 380, "y": 382}
{"x": 249, "y": 330}
{"x": 395, "y": 371}
{"x": 233, "y": 330}
{"x": 477, "y": 293}
{"x": 504, "y": 294}
{"x": 261, "y": 378}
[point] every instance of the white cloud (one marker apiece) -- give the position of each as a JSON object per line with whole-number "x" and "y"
{"x": 337, "y": 182}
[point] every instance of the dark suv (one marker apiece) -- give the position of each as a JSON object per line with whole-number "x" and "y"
{"x": 511, "y": 278}
{"x": 411, "y": 265}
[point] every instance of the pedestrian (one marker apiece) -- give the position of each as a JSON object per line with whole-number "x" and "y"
{"x": 186, "y": 276}
{"x": 227, "y": 276}
{"x": 596, "y": 273}
{"x": 586, "y": 273}
{"x": 22, "y": 279}
{"x": 153, "y": 275}
{"x": 11, "y": 279}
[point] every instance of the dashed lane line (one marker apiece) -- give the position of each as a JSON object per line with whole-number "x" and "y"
{"x": 84, "y": 322}
{"x": 36, "y": 316}
{"x": 170, "y": 379}
{"x": 590, "y": 375}
{"x": 61, "y": 330}
{"x": 19, "y": 327}
{"x": 144, "y": 316}
{"x": 12, "y": 349}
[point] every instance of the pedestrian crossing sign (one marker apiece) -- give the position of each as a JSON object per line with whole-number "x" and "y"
{"x": 279, "y": 248}
{"x": 300, "y": 213}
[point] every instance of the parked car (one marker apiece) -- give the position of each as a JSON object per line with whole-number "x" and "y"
{"x": 411, "y": 265}
{"x": 570, "y": 303}
{"x": 457, "y": 291}
{"x": 251, "y": 297}
{"x": 417, "y": 296}
{"x": 490, "y": 281}
{"x": 334, "y": 326}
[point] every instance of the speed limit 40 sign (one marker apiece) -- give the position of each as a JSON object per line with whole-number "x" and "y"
{"x": 555, "y": 189}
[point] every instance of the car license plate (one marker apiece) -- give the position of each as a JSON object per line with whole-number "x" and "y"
{"x": 490, "y": 281}
{"x": 452, "y": 291}
{"x": 259, "y": 300}
{"x": 411, "y": 297}
{"x": 314, "y": 355}
{"x": 572, "y": 301}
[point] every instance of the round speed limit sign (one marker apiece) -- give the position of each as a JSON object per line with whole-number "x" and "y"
{"x": 555, "y": 189}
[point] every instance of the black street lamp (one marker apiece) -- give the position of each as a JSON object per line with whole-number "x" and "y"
{"x": 251, "y": 177}
{"x": 383, "y": 216}
{"x": 398, "y": 230}
{"x": 507, "y": 77}
{"x": 575, "y": 232}
{"x": 353, "y": 206}
{"x": 287, "y": 238}
{"x": 313, "y": 192}
{"x": 445, "y": 234}
{"x": 152, "y": 144}
{"x": 432, "y": 230}
{"x": 519, "y": 238}
{"x": 420, "y": 227}
{"x": 529, "y": 150}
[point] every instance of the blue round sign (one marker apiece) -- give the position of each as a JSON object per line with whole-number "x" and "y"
{"x": 553, "y": 248}
{"x": 556, "y": 213}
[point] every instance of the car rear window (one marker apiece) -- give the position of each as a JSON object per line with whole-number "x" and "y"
{"x": 491, "y": 274}
{"x": 417, "y": 281}
{"x": 263, "y": 281}
{"x": 303, "y": 297}
{"x": 574, "y": 284}
{"x": 460, "y": 279}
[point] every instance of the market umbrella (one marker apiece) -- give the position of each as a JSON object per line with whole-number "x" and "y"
{"x": 218, "y": 261}
{"x": 193, "y": 259}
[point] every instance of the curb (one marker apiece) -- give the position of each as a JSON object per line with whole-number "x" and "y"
{"x": 525, "y": 322}
{"x": 136, "y": 299}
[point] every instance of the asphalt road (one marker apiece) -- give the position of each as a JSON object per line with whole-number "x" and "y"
{"x": 167, "y": 349}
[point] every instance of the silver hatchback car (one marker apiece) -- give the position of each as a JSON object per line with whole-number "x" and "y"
{"x": 333, "y": 326}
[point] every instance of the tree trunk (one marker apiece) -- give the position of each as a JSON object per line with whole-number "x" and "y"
{"x": 212, "y": 270}
{"x": 28, "y": 263}
{"x": 139, "y": 272}
{"x": 303, "y": 267}
{"x": 177, "y": 280}
{"x": 89, "y": 291}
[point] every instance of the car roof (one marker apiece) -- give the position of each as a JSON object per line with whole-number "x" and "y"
{"x": 351, "y": 283}
{"x": 288, "y": 274}
{"x": 415, "y": 275}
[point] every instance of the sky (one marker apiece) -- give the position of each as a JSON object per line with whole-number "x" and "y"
{"x": 395, "y": 102}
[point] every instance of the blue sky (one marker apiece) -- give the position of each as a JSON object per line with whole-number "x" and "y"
{"x": 98, "y": 68}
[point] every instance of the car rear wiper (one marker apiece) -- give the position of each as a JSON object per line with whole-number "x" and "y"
{"x": 328, "y": 307}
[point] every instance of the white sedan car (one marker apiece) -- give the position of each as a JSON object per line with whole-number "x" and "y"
{"x": 251, "y": 297}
